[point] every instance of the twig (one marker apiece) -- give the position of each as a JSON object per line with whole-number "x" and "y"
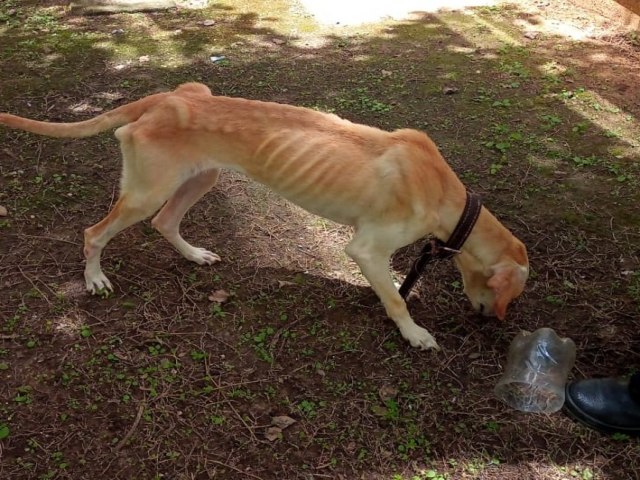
{"x": 230, "y": 404}
{"x": 133, "y": 427}
{"x": 222, "y": 464}
{"x": 42, "y": 237}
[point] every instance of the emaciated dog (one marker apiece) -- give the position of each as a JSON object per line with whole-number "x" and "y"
{"x": 392, "y": 187}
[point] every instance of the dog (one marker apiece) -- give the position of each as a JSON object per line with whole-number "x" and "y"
{"x": 392, "y": 187}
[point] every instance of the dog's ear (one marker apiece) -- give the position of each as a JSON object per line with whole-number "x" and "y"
{"x": 507, "y": 283}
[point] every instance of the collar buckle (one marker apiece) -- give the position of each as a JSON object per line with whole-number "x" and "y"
{"x": 436, "y": 249}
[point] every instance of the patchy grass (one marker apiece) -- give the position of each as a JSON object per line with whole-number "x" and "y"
{"x": 157, "y": 381}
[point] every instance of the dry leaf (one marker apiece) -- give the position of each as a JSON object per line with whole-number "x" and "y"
{"x": 387, "y": 392}
{"x": 3, "y": 211}
{"x": 273, "y": 433}
{"x": 379, "y": 410}
{"x": 282, "y": 421}
{"x": 219, "y": 296}
{"x": 285, "y": 283}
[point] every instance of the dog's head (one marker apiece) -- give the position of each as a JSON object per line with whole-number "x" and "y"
{"x": 492, "y": 288}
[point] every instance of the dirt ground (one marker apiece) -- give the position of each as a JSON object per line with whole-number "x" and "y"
{"x": 535, "y": 104}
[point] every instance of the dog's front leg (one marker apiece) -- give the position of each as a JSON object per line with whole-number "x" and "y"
{"x": 373, "y": 260}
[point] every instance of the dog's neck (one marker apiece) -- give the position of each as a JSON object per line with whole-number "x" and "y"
{"x": 489, "y": 240}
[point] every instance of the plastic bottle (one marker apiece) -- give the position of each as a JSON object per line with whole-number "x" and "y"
{"x": 538, "y": 365}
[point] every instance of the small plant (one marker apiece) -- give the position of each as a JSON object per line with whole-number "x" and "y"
{"x": 310, "y": 409}
{"x": 580, "y": 128}
{"x": 483, "y": 95}
{"x": 104, "y": 293}
{"x": 393, "y": 410}
{"x": 550, "y": 121}
{"x": 502, "y": 103}
{"x": 585, "y": 161}
{"x": 554, "y": 300}
{"x": 217, "y": 419}
{"x": 492, "y": 426}
{"x": 197, "y": 355}
{"x": 433, "y": 475}
{"x": 634, "y": 286}
{"x": 567, "y": 94}
{"x": 217, "y": 311}
{"x": 494, "y": 168}
{"x": 260, "y": 345}
{"x": 23, "y": 397}
{"x": 155, "y": 350}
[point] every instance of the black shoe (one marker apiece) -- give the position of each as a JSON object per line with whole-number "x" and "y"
{"x": 609, "y": 405}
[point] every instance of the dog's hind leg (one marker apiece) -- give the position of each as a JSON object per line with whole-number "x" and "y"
{"x": 144, "y": 188}
{"x": 129, "y": 209}
{"x": 372, "y": 254}
{"x": 167, "y": 221}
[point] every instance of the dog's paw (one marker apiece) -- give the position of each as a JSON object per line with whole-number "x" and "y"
{"x": 97, "y": 283}
{"x": 420, "y": 338}
{"x": 202, "y": 256}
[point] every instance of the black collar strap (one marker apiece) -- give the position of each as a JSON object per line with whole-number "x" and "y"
{"x": 436, "y": 249}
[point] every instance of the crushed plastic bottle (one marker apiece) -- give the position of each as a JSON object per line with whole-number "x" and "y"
{"x": 538, "y": 365}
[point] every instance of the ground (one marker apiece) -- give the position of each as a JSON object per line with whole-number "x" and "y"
{"x": 536, "y": 107}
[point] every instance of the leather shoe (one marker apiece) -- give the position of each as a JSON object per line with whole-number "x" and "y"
{"x": 609, "y": 405}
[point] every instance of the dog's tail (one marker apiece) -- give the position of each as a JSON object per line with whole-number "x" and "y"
{"x": 112, "y": 119}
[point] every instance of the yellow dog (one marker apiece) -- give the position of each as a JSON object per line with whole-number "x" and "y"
{"x": 392, "y": 187}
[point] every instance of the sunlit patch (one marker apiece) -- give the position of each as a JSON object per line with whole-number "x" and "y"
{"x": 72, "y": 290}
{"x": 69, "y": 324}
{"x": 312, "y": 43}
{"x": 460, "y": 49}
{"x": 553, "y": 67}
{"x": 566, "y": 30}
{"x": 339, "y": 12}
{"x": 606, "y": 115}
{"x": 500, "y": 33}
{"x": 600, "y": 57}
{"x": 545, "y": 162}
{"x": 50, "y": 59}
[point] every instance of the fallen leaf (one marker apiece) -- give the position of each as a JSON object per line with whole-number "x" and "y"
{"x": 85, "y": 107}
{"x": 3, "y": 211}
{"x": 284, "y": 283}
{"x": 219, "y": 296}
{"x": 109, "y": 96}
{"x": 209, "y": 23}
{"x": 449, "y": 90}
{"x": 282, "y": 421}
{"x": 379, "y": 410}
{"x": 387, "y": 392}
{"x": 273, "y": 433}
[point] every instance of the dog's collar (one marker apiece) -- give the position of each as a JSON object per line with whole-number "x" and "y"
{"x": 436, "y": 249}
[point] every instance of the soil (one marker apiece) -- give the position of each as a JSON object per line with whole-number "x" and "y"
{"x": 535, "y": 105}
